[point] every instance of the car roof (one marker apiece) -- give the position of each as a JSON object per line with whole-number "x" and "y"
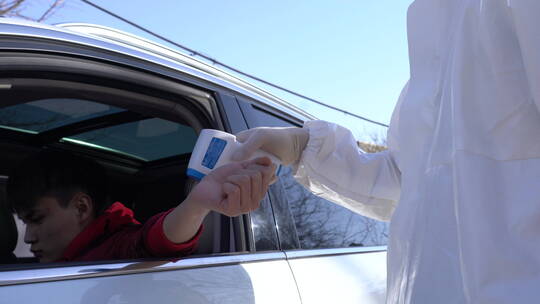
{"x": 107, "y": 39}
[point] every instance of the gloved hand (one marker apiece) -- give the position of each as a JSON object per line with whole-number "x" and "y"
{"x": 285, "y": 143}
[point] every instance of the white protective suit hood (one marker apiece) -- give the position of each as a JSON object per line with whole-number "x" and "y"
{"x": 461, "y": 179}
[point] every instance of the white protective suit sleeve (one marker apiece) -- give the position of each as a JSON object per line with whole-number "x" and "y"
{"x": 334, "y": 168}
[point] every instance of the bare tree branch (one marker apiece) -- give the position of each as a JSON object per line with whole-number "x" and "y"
{"x": 321, "y": 224}
{"x": 378, "y": 143}
{"x": 371, "y": 148}
{"x": 56, "y": 4}
{"x": 19, "y": 15}
{"x": 16, "y": 8}
{"x": 7, "y": 6}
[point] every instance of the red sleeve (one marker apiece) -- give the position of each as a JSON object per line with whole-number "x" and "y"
{"x": 159, "y": 245}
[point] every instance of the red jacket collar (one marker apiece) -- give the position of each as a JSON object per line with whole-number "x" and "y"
{"x": 116, "y": 217}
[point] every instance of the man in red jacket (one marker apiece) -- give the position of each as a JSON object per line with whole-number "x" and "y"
{"x": 62, "y": 198}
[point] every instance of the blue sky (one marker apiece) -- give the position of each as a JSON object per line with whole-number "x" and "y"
{"x": 351, "y": 54}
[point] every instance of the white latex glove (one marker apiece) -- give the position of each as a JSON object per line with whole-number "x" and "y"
{"x": 285, "y": 143}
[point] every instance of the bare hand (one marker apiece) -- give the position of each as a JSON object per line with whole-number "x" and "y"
{"x": 236, "y": 188}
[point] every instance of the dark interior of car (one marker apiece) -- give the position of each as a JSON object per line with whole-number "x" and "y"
{"x": 144, "y": 142}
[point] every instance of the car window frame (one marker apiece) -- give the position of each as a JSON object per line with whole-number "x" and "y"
{"x": 285, "y": 222}
{"x": 221, "y": 110}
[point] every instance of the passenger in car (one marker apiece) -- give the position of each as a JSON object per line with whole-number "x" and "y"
{"x": 62, "y": 198}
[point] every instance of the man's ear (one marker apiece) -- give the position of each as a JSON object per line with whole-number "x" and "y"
{"x": 84, "y": 207}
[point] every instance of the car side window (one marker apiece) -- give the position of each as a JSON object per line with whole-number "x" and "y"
{"x": 155, "y": 148}
{"x": 318, "y": 223}
{"x": 322, "y": 224}
{"x": 143, "y": 149}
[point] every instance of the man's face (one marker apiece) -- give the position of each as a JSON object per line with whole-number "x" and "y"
{"x": 50, "y": 228}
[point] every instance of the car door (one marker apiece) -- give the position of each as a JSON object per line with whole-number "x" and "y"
{"x": 335, "y": 254}
{"x": 39, "y": 71}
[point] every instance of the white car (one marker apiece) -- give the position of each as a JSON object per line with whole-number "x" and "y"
{"x": 136, "y": 107}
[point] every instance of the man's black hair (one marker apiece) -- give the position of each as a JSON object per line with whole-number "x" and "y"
{"x": 57, "y": 174}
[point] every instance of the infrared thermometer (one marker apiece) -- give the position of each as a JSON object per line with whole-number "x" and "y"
{"x": 214, "y": 149}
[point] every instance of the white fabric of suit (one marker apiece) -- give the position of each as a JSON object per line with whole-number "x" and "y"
{"x": 461, "y": 179}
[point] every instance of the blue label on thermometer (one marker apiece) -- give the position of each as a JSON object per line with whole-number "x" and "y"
{"x": 215, "y": 148}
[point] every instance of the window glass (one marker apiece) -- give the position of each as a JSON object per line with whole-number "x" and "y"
{"x": 46, "y": 114}
{"x": 79, "y": 127}
{"x": 263, "y": 229}
{"x": 273, "y": 217}
{"x": 288, "y": 237}
{"x": 318, "y": 223}
{"x": 22, "y": 250}
{"x": 148, "y": 139}
{"x": 323, "y": 224}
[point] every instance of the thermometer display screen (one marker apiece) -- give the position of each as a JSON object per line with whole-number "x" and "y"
{"x": 215, "y": 148}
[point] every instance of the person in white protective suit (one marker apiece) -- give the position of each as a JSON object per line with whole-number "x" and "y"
{"x": 460, "y": 182}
